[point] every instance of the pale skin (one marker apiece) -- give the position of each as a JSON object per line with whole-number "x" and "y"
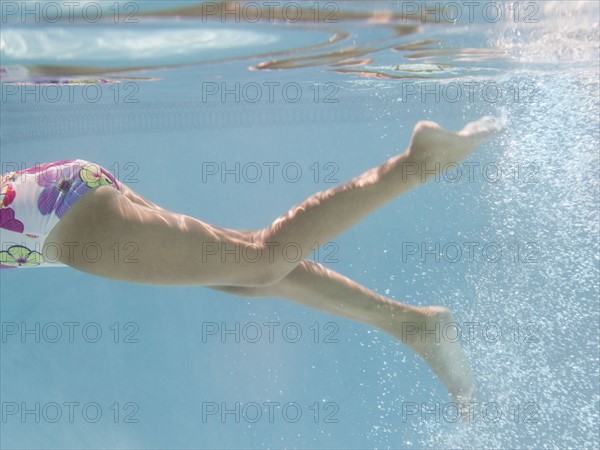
{"x": 174, "y": 249}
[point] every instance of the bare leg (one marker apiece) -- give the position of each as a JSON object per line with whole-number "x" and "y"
{"x": 177, "y": 249}
{"x": 171, "y": 246}
{"x": 329, "y": 213}
{"x": 314, "y": 285}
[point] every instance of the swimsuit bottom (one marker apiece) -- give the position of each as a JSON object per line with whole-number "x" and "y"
{"x": 32, "y": 201}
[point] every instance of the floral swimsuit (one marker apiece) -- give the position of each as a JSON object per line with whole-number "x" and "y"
{"x": 32, "y": 201}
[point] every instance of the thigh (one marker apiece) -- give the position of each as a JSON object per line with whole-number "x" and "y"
{"x": 107, "y": 234}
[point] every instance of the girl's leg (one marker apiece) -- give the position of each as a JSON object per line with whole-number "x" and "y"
{"x": 314, "y": 285}
{"x": 141, "y": 242}
{"x": 327, "y": 214}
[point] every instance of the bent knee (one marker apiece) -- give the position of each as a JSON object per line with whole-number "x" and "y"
{"x": 257, "y": 275}
{"x": 268, "y": 272}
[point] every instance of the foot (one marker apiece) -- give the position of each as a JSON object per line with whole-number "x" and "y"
{"x": 432, "y": 334}
{"x": 432, "y": 144}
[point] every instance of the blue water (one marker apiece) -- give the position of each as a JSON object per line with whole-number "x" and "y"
{"x": 156, "y": 373}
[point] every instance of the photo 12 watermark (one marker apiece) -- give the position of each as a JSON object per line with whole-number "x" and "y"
{"x": 516, "y": 252}
{"x": 268, "y": 92}
{"x": 324, "y": 412}
{"x": 467, "y": 12}
{"x": 272, "y": 332}
{"x": 471, "y": 412}
{"x": 70, "y": 332}
{"x": 14, "y": 171}
{"x": 491, "y": 172}
{"x": 270, "y": 172}
{"x": 32, "y": 252}
{"x": 72, "y": 412}
{"x": 471, "y": 332}
{"x": 268, "y": 252}
{"x": 269, "y": 11}
{"x": 473, "y": 92}
{"x": 50, "y": 12}
{"x": 63, "y": 90}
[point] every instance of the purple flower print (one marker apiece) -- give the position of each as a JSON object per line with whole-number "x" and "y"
{"x": 62, "y": 189}
{"x": 8, "y": 221}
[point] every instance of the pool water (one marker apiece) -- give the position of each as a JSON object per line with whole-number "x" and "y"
{"x": 233, "y": 120}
